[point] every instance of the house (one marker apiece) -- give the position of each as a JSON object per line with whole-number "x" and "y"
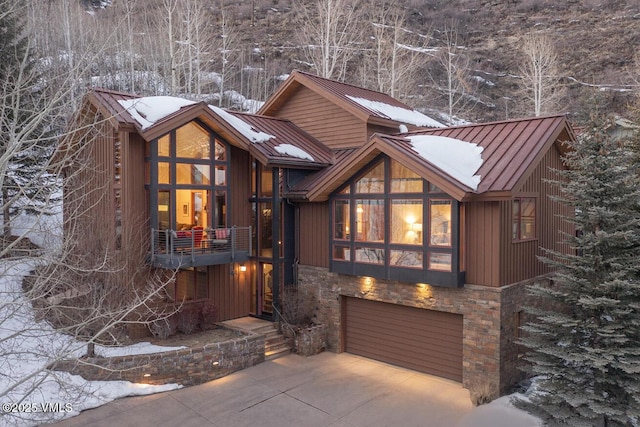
{"x": 417, "y": 239}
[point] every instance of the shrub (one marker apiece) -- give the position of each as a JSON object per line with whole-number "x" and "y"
{"x": 188, "y": 318}
{"x": 209, "y": 316}
{"x": 482, "y": 392}
{"x": 165, "y": 327}
{"x": 298, "y": 307}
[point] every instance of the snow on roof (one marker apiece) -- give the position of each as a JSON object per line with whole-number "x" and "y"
{"x": 241, "y": 126}
{"x": 403, "y": 115}
{"x": 460, "y": 159}
{"x": 148, "y": 110}
{"x": 293, "y": 151}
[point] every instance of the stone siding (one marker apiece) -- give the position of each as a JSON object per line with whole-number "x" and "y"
{"x": 489, "y": 352}
{"x": 515, "y": 300}
{"x": 189, "y": 366}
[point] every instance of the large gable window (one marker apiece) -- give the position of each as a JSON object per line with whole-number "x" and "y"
{"x": 188, "y": 179}
{"x": 389, "y": 222}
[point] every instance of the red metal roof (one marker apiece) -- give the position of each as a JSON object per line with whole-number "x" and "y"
{"x": 285, "y": 132}
{"x": 336, "y": 91}
{"x": 108, "y": 100}
{"x": 511, "y": 149}
{"x": 320, "y": 176}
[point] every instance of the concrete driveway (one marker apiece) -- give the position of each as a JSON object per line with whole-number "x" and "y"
{"x": 339, "y": 390}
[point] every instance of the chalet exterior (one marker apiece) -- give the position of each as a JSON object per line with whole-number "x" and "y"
{"x": 418, "y": 239}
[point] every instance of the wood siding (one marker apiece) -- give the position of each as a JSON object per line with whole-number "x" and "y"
{"x": 330, "y": 124}
{"x": 239, "y": 188}
{"x": 230, "y": 291}
{"x": 425, "y": 340}
{"x": 519, "y": 259}
{"x": 89, "y": 195}
{"x": 314, "y": 234}
{"x": 134, "y": 198}
{"x": 372, "y": 129}
{"x": 483, "y": 230}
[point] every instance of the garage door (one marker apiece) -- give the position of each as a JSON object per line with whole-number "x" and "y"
{"x": 424, "y": 340}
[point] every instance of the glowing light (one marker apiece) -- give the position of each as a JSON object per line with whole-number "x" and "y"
{"x": 243, "y": 268}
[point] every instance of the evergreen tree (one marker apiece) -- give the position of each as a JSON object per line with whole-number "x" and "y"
{"x": 26, "y": 144}
{"x": 586, "y": 350}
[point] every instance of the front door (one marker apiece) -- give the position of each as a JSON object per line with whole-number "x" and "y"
{"x": 262, "y": 290}
{"x": 266, "y": 291}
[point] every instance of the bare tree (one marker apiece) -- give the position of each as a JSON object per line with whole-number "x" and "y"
{"x": 170, "y": 7}
{"x": 329, "y": 33}
{"x": 70, "y": 287}
{"x": 458, "y": 89}
{"x": 539, "y": 69}
{"x": 228, "y": 55}
{"x": 397, "y": 53}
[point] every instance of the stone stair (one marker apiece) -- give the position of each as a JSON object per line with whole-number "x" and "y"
{"x": 275, "y": 344}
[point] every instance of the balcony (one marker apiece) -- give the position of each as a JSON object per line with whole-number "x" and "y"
{"x": 199, "y": 247}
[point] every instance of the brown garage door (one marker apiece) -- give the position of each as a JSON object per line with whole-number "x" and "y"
{"x": 425, "y": 340}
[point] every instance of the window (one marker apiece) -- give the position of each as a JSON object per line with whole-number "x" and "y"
{"x": 440, "y": 222}
{"x": 524, "y": 218}
{"x": 389, "y": 222}
{"x": 191, "y": 186}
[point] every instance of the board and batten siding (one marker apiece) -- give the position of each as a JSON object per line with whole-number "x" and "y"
{"x": 482, "y": 250}
{"x": 324, "y": 120}
{"x": 239, "y": 188}
{"x": 134, "y": 197}
{"x": 314, "y": 234}
{"x": 230, "y": 291}
{"x": 89, "y": 198}
{"x": 519, "y": 260}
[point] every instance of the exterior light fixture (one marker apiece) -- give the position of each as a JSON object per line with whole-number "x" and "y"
{"x": 243, "y": 268}
{"x": 146, "y": 375}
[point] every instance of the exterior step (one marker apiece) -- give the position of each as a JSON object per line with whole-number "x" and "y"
{"x": 275, "y": 345}
{"x": 277, "y": 352}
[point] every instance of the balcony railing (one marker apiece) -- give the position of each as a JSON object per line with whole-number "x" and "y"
{"x": 200, "y": 247}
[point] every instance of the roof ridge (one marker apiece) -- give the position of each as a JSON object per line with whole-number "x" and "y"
{"x": 493, "y": 123}
{"x": 115, "y": 92}
{"x": 262, "y": 116}
{"x": 347, "y": 84}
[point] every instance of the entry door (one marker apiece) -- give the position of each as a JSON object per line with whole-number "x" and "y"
{"x": 262, "y": 290}
{"x": 266, "y": 288}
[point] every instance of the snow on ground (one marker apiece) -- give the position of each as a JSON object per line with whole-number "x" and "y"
{"x": 28, "y": 345}
{"x": 459, "y": 159}
{"x": 499, "y": 413}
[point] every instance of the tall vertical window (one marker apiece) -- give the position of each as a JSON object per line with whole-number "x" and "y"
{"x": 189, "y": 166}
{"x": 524, "y": 218}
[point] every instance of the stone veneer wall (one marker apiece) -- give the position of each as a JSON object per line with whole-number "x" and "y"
{"x": 515, "y": 299}
{"x": 187, "y": 366}
{"x": 488, "y": 316}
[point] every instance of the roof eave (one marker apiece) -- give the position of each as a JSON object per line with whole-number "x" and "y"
{"x": 377, "y": 145}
